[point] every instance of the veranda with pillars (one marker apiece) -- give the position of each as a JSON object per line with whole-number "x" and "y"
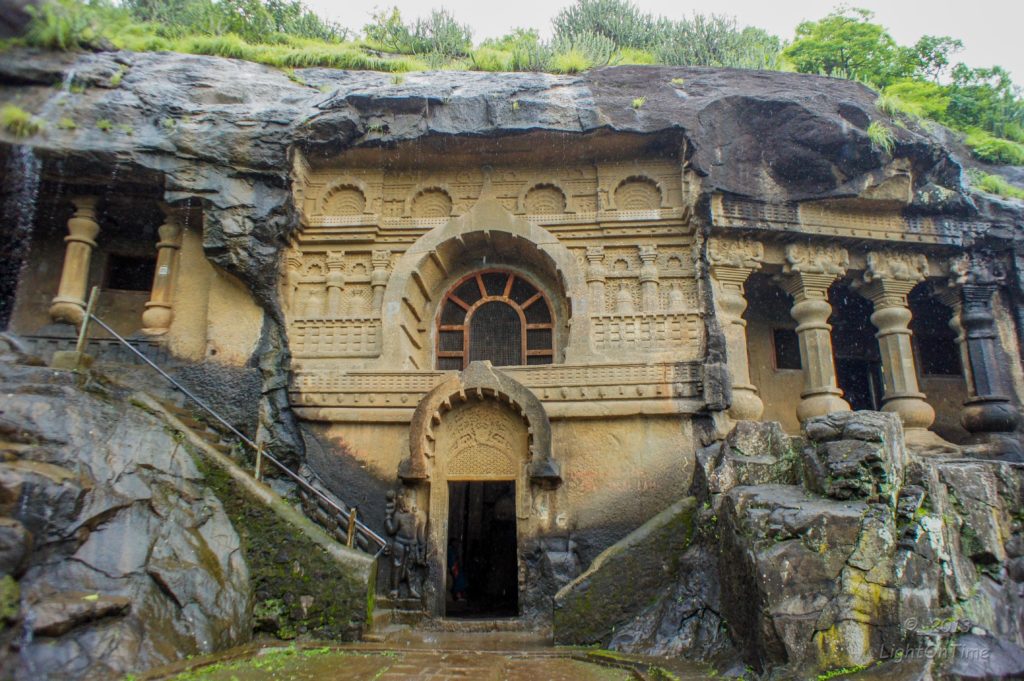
{"x": 885, "y": 277}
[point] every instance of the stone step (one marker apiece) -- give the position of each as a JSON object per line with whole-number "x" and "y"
{"x": 388, "y": 603}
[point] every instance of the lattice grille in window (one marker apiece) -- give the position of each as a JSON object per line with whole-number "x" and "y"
{"x": 496, "y": 316}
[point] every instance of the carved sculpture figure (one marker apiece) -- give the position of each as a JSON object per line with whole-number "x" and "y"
{"x": 406, "y": 526}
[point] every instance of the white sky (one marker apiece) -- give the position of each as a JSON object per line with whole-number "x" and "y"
{"x": 989, "y": 29}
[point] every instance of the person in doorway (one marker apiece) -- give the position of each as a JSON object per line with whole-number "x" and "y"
{"x": 457, "y": 571}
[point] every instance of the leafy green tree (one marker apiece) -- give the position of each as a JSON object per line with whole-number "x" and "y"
{"x": 847, "y": 43}
{"x": 985, "y": 98}
{"x": 932, "y": 54}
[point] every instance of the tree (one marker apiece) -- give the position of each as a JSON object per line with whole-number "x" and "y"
{"x": 932, "y": 54}
{"x": 847, "y": 44}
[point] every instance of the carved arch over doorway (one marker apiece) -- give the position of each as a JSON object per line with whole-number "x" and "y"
{"x": 480, "y": 381}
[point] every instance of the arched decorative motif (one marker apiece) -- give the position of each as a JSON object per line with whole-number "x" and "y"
{"x": 344, "y": 199}
{"x": 423, "y": 274}
{"x": 480, "y": 381}
{"x": 637, "y": 193}
{"x": 544, "y": 199}
{"x": 431, "y": 203}
{"x": 494, "y": 315}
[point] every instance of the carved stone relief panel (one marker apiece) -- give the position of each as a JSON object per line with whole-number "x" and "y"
{"x": 332, "y": 301}
{"x": 482, "y": 441}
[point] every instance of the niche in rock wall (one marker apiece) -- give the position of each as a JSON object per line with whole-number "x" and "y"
{"x": 637, "y": 194}
{"x": 345, "y": 200}
{"x": 432, "y": 203}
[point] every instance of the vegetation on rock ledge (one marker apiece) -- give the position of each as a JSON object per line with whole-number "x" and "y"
{"x": 916, "y": 82}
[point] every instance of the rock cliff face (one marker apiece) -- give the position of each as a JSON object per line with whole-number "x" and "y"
{"x": 840, "y": 550}
{"x": 114, "y": 556}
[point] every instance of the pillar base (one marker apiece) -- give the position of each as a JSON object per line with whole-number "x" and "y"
{"x": 996, "y": 447}
{"x": 820, "y": 404}
{"x": 70, "y": 360}
{"x": 67, "y": 311}
{"x": 746, "y": 404}
{"x": 993, "y": 414}
{"x": 915, "y": 413}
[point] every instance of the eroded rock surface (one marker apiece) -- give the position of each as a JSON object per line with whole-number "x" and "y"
{"x": 839, "y": 550}
{"x": 123, "y": 560}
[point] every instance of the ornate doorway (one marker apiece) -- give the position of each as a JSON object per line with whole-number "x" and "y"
{"x": 476, "y": 500}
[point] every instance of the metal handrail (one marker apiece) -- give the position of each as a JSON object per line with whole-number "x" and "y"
{"x": 347, "y": 515}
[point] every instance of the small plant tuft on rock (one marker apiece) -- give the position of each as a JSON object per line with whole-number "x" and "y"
{"x": 638, "y": 102}
{"x": 881, "y": 137}
{"x": 19, "y": 122}
{"x": 66, "y": 124}
{"x": 104, "y": 125}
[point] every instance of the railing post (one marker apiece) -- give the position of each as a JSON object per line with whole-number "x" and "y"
{"x": 259, "y": 462}
{"x": 83, "y": 330}
{"x": 351, "y": 538}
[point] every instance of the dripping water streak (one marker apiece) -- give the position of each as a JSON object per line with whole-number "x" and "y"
{"x": 22, "y": 190}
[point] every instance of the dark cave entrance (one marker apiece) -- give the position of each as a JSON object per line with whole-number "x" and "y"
{"x": 482, "y": 562}
{"x": 858, "y": 361}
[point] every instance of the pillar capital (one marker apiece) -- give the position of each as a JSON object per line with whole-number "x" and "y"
{"x": 595, "y": 264}
{"x": 811, "y": 268}
{"x": 891, "y": 276}
{"x": 85, "y": 204}
{"x": 732, "y": 260}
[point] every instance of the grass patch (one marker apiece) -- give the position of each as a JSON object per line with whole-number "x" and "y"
{"x": 638, "y": 102}
{"x": 881, "y": 137}
{"x": 992, "y": 149}
{"x": 895, "y": 106}
{"x": 66, "y": 124}
{"x": 571, "y": 61}
{"x": 104, "y": 125}
{"x": 994, "y": 184}
{"x": 19, "y": 122}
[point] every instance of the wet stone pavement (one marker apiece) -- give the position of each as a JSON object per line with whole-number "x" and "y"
{"x": 428, "y": 655}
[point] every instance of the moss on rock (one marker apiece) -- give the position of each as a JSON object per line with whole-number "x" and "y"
{"x": 299, "y": 589}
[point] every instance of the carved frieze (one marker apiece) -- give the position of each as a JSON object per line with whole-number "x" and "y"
{"x": 816, "y": 259}
{"x": 735, "y": 252}
{"x": 896, "y": 266}
{"x": 352, "y": 337}
{"x": 551, "y": 383}
{"x": 647, "y": 332}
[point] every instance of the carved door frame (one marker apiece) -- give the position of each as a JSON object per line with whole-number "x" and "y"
{"x": 437, "y": 489}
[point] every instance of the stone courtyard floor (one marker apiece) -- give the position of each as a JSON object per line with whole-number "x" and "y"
{"x": 504, "y": 656}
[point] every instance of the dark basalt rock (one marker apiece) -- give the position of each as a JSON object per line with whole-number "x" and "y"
{"x": 124, "y": 559}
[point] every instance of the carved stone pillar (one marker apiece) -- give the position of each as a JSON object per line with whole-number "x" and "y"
{"x": 649, "y": 299}
{"x": 808, "y": 273}
{"x": 69, "y": 303}
{"x": 888, "y": 281}
{"x": 732, "y": 261}
{"x": 379, "y": 278}
{"x": 335, "y": 283}
{"x": 596, "y": 275}
{"x": 988, "y": 408}
{"x": 948, "y": 293}
{"x": 156, "y": 320}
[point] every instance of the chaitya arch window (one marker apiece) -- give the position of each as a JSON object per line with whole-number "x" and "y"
{"x": 498, "y": 316}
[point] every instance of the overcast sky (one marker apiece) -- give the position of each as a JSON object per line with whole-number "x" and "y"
{"x": 989, "y": 29}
